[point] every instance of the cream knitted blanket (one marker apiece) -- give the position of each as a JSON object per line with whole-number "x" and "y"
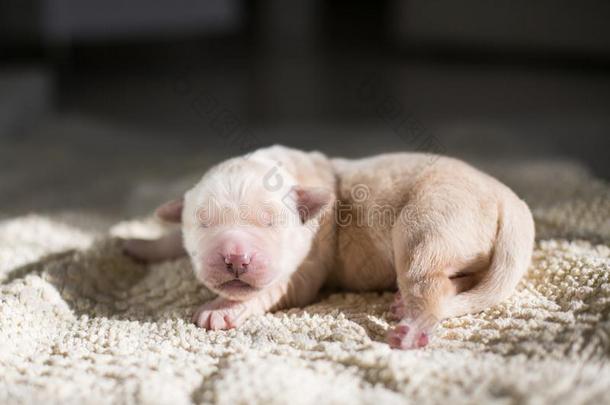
{"x": 80, "y": 323}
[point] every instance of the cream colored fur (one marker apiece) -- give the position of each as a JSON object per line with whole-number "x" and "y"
{"x": 451, "y": 238}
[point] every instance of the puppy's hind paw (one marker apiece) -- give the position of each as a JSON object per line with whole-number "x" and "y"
{"x": 407, "y": 336}
{"x": 138, "y": 249}
{"x": 397, "y": 308}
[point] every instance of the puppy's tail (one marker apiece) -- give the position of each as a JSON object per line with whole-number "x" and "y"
{"x": 510, "y": 259}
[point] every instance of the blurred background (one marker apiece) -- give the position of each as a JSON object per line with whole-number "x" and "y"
{"x": 111, "y": 105}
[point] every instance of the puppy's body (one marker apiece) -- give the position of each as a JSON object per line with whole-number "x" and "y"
{"x": 452, "y": 239}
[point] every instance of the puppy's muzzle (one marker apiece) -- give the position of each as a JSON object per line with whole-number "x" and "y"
{"x": 237, "y": 264}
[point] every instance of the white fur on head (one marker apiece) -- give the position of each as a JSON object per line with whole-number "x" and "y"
{"x": 240, "y": 196}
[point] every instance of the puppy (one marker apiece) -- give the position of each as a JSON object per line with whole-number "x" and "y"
{"x": 268, "y": 230}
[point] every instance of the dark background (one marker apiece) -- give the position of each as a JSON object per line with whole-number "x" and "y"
{"x": 99, "y": 96}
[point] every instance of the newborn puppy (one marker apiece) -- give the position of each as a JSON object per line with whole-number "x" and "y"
{"x": 266, "y": 231}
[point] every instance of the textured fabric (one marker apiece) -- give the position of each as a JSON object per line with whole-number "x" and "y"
{"x": 80, "y": 322}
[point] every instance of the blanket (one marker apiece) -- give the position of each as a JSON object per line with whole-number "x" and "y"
{"x": 81, "y": 323}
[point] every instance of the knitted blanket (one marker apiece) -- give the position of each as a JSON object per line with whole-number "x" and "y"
{"x": 81, "y": 323}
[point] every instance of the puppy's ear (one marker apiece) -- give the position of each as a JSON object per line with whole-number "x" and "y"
{"x": 311, "y": 200}
{"x": 171, "y": 211}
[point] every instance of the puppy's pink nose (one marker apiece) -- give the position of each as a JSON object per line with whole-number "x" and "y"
{"x": 237, "y": 264}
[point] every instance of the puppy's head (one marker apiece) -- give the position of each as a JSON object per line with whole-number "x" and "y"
{"x": 246, "y": 225}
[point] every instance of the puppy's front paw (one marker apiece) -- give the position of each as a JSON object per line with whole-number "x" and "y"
{"x": 405, "y": 336}
{"x": 221, "y": 313}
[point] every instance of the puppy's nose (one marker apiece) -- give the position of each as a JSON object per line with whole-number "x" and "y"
{"x": 237, "y": 264}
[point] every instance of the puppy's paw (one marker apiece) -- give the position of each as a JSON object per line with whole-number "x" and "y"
{"x": 408, "y": 335}
{"x": 221, "y": 313}
{"x": 166, "y": 247}
{"x": 139, "y": 249}
{"x": 397, "y": 308}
